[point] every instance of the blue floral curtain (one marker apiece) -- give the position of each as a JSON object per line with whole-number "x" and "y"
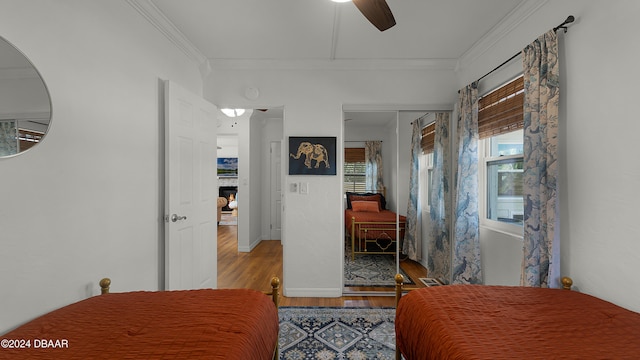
{"x": 541, "y": 263}
{"x": 373, "y": 162}
{"x": 466, "y": 251}
{"x": 8, "y": 142}
{"x": 439, "y": 243}
{"x": 412, "y": 242}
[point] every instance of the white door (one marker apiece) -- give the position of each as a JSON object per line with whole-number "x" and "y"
{"x": 276, "y": 190}
{"x": 191, "y": 190}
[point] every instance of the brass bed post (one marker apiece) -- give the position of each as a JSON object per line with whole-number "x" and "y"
{"x": 399, "y": 281}
{"x": 353, "y": 238}
{"x": 567, "y": 282}
{"x": 104, "y": 286}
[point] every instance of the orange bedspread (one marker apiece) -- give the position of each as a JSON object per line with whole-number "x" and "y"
{"x": 194, "y": 324}
{"x": 499, "y": 322}
{"x": 384, "y": 216}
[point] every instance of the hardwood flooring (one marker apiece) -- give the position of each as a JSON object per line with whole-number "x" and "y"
{"x": 255, "y": 269}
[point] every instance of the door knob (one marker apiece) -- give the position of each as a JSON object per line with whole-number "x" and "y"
{"x": 175, "y": 217}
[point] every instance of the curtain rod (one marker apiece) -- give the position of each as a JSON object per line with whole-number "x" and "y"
{"x": 569, "y": 20}
{"x": 359, "y": 141}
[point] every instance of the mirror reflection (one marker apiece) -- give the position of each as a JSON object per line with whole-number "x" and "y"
{"x": 377, "y": 167}
{"x": 25, "y": 106}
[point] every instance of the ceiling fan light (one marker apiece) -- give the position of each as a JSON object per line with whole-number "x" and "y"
{"x": 232, "y": 112}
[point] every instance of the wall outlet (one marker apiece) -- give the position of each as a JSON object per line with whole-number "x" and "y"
{"x": 293, "y": 187}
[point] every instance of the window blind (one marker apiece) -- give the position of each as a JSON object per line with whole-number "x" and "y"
{"x": 501, "y": 111}
{"x": 428, "y": 138}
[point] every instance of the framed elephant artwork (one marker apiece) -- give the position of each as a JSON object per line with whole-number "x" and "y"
{"x": 312, "y": 155}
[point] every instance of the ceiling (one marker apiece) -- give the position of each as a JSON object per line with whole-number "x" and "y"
{"x": 435, "y": 33}
{"x": 303, "y": 30}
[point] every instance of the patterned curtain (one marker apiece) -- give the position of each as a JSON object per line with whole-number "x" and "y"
{"x": 412, "y": 240}
{"x": 541, "y": 263}
{"x": 8, "y": 142}
{"x": 373, "y": 161}
{"x": 466, "y": 254}
{"x": 439, "y": 243}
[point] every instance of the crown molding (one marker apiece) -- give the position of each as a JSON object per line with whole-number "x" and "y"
{"x": 150, "y": 11}
{"x": 336, "y": 64}
{"x": 510, "y": 22}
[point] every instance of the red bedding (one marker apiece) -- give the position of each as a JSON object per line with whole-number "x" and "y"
{"x": 384, "y": 216}
{"x": 500, "y": 322}
{"x": 194, "y": 324}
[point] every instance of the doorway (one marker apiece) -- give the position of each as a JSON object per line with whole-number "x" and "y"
{"x": 251, "y": 137}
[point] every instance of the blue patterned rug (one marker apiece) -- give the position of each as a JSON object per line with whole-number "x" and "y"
{"x": 371, "y": 270}
{"x": 336, "y": 333}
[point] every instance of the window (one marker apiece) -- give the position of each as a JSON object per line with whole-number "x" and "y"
{"x": 500, "y": 123}
{"x": 426, "y": 179}
{"x": 504, "y": 178}
{"x": 354, "y": 170}
{"x": 427, "y": 142}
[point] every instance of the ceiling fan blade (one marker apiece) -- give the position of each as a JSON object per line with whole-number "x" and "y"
{"x": 377, "y": 12}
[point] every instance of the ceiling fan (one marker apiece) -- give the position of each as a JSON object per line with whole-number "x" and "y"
{"x": 377, "y": 12}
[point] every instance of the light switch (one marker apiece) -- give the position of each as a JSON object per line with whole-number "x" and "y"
{"x": 304, "y": 188}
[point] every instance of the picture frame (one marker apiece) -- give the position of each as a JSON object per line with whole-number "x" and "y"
{"x": 227, "y": 167}
{"x": 312, "y": 155}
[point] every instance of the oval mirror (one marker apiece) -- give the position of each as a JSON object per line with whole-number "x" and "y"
{"x": 25, "y": 105}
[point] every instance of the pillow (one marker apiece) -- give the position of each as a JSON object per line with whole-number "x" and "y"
{"x": 365, "y": 206}
{"x": 351, "y": 196}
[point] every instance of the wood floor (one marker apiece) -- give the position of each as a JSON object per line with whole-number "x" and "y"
{"x": 255, "y": 269}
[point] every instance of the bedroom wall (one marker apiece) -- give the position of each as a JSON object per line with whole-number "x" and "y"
{"x": 85, "y": 203}
{"x": 599, "y": 183}
{"x": 313, "y": 101}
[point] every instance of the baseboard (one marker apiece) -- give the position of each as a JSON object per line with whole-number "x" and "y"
{"x": 312, "y": 292}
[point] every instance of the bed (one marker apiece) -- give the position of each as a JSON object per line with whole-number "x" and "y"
{"x": 370, "y": 227}
{"x": 509, "y": 322}
{"x": 189, "y": 324}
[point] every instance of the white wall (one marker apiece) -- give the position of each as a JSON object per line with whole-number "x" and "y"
{"x": 86, "y": 202}
{"x": 600, "y": 182}
{"x": 313, "y": 102}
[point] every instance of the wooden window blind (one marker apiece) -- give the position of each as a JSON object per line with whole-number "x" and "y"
{"x": 428, "y": 138}
{"x": 352, "y": 155}
{"x": 28, "y": 138}
{"x": 355, "y": 179}
{"x": 501, "y": 111}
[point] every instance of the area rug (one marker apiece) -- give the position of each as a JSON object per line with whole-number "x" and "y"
{"x": 371, "y": 271}
{"x": 228, "y": 219}
{"x": 336, "y": 333}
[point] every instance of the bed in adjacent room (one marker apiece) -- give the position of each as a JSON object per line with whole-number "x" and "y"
{"x": 371, "y": 228}
{"x": 511, "y": 322}
{"x": 188, "y": 324}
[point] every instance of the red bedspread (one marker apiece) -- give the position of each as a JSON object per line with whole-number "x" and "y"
{"x": 384, "y": 216}
{"x": 499, "y": 322}
{"x": 195, "y": 324}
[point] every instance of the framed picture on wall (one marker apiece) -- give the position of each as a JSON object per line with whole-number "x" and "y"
{"x": 228, "y": 167}
{"x": 310, "y": 155}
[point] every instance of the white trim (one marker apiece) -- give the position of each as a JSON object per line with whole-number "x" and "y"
{"x": 312, "y": 292}
{"x": 398, "y": 107}
{"x": 329, "y": 64}
{"x": 158, "y": 19}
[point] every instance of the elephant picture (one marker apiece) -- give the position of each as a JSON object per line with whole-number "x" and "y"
{"x": 312, "y": 156}
{"x": 312, "y": 152}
